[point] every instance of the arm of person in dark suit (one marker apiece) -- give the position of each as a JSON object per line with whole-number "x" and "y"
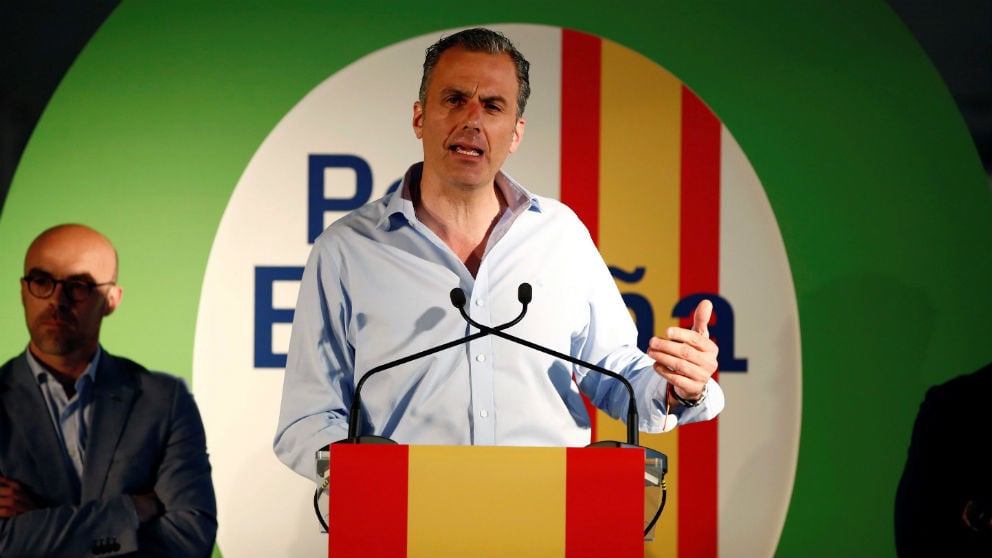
{"x": 187, "y": 525}
{"x": 916, "y": 496}
{"x": 937, "y": 478}
{"x": 30, "y": 529}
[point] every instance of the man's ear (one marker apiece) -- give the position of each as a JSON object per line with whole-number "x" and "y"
{"x": 518, "y": 134}
{"x": 114, "y": 296}
{"x": 418, "y": 120}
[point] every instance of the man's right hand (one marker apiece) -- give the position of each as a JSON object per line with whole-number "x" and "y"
{"x": 15, "y": 499}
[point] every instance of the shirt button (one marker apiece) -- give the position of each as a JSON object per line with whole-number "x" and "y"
{"x": 480, "y": 357}
{"x": 479, "y": 302}
{"x": 483, "y": 413}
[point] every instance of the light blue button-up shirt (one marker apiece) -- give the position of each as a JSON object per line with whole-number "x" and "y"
{"x": 376, "y": 288}
{"x": 71, "y": 416}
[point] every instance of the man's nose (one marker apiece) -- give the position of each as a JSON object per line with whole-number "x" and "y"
{"x": 472, "y": 116}
{"x": 60, "y": 296}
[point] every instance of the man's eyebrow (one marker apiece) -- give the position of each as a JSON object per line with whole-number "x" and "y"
{"x": 494, "y": 98}
{"x": 454, "y": 90}
{"x": 35, "y": 271}
{"x": 447, "y": 91}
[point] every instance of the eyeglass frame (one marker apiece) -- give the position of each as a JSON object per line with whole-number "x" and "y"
{"x": 30, "y": 279}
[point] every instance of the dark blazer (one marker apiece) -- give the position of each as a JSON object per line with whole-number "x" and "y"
{"x": 949, "y": 464}
{"x": 146, "y": 435}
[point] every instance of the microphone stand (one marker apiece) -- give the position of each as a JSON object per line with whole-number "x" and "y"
{"x": 458, "y": 299}
{"x": 355, "y": 411}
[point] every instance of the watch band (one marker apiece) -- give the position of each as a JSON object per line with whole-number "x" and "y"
{"x": 688, "y": 403}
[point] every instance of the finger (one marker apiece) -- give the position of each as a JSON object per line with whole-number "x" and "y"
{"x": 701, "y": 318}
{"x": 675, "y": 368}
{"x": 677, "y": 379}
{"x": 9, "y": 507}
{"x": 683, "y": 359}
{"x": 9, "y": 483}
{"x": 692, "y": 337}
{"x": 685, "y": 344}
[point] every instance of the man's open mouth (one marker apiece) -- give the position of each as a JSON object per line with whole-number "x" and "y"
{"x": 470, "y": 151}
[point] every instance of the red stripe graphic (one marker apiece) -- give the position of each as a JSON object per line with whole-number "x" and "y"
{"x": 699, "y": 272}
{"x": 581, "y": 75}
{"x": 580, "y": 113}
{"x": 619, "y": 501}
{"x": 352, "y": 532}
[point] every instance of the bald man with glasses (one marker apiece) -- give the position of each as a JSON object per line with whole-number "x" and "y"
{"x": 98, "y": 456}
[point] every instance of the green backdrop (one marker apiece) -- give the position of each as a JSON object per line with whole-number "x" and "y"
{"x": 878, "y": 191}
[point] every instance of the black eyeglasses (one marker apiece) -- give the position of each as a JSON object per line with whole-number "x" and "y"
{"x": 78, "y": 290}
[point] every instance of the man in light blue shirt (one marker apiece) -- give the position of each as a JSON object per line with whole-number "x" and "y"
{"x": 376, "y": 288}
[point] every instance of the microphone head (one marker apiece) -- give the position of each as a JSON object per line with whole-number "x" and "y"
{"x": 524, "y": 293}
{"x": 458, "y": 297}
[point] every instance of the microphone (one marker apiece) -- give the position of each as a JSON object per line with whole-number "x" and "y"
{"x": 524, "y": 294}
{"x": 355, "y": 411}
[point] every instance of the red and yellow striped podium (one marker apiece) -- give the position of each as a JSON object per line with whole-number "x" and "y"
{"x": 395, "y": 501}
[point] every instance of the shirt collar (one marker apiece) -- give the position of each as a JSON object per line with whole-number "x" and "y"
{"x": 399, "y": 201}
{"x": 41, "y": 374}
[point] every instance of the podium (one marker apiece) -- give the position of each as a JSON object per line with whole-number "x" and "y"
{"x": 394, "y": 501}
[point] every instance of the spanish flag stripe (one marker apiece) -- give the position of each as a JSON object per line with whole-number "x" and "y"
{"x": 640, "y": 170}
{"x": 597, "y": 481}
{"x": 580, "y": 107}
{"x": 357, "y": 529}
{"x": 699, "y": 265}
{"x": 503, "y": 501}
{"x": 580, "y": 116}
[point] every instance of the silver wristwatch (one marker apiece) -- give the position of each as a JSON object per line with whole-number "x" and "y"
{"x": 686, "y": 402}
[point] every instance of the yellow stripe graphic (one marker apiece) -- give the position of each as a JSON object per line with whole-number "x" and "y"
{"x": 439, "y": 475}
{"x": 639, "y": 190}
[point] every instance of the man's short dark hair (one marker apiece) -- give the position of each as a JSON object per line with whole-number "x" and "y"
{"x": 479, "y": 40}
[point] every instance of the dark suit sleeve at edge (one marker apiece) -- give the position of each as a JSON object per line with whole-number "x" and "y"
{"x": 67, "y": 530}
{"x": 189, "y": 525}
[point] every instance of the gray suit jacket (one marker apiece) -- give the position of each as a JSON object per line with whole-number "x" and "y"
{"x": 146, "y": 436}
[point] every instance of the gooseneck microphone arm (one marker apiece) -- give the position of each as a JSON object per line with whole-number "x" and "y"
{"x": 524, "y": 295}
{"x": 355, "y": 411}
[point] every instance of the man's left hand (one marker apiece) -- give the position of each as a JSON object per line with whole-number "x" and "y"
{"x": 687, "y": 359}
